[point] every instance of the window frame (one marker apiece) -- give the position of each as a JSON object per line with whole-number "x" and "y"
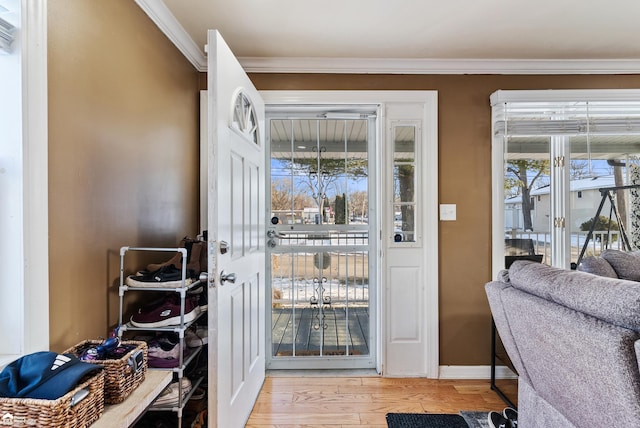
{"x": 28, "y": 246}
{"x": 560, "y": 256}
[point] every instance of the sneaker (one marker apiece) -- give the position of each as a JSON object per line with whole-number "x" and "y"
{"x": 201, "y": 294}
{"x": 165, "y": 277}
{"x": 512, "y": 415}
{"x": 164, "y": 346}
{"x": 198, "y": 394}
{"x": 164, "y": 352}
{"x": 497, "y": 420}
{"x": 166, "y": 312}
{"x": 196, "y": 251}
{"x": 196, "y": 336}
{"x": 169, "y": 396}
{"x": 201, "y": 420}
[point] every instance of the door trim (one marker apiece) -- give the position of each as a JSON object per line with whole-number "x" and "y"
{"x": 430, "y": 204}
{"x": 24, "y": 121}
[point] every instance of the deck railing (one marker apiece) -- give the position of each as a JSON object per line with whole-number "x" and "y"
{"x": 600, "y": 241}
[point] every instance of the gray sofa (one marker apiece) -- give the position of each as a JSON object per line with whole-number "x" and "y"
{"x": 613, "y": 264}
{"x": 574, "y": 339}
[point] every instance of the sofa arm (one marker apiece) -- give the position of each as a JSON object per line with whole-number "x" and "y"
{"x": 494, "y": 295}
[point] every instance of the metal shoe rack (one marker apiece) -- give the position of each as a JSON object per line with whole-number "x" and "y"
{"x": 178, "y": 328}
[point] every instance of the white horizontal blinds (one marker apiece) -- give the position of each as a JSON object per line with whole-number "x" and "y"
{"x": 519, "y": 119}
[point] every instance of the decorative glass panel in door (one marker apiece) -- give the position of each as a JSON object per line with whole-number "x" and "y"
{"x": 318, "y": 242}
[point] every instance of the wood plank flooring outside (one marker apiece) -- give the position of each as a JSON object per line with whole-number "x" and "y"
{"x": 340, "y": 402}
{"x": 322, "y": 326}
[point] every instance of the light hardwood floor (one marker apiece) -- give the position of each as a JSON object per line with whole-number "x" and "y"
{"x": 339, "y": 402}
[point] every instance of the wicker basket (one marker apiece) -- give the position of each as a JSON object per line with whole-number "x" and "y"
{"x": 120, "y": 378}
{"x": 59, "y": 413}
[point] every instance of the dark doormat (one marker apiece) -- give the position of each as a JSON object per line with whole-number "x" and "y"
{"x": 424, "y": 420}
{"x": 476, "y": 419}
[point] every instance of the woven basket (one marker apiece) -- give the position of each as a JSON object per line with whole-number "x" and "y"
{"x": 120, "y": 379}
{"x": 60, "y": 413}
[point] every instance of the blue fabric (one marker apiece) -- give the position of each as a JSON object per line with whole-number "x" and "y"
{"x": 43, "y": 375}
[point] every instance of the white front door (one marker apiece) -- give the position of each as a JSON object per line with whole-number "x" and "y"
{"x": 236, "y": 243}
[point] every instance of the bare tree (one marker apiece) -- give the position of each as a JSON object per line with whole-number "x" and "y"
{"x": 359, "y": 203}
{"x": 285, "y": 198}
{"x": 405, "y": 186}
{"x": 320, "y": 174}
{"x": 578, "y": 169}
{"x": 523, "y": 174}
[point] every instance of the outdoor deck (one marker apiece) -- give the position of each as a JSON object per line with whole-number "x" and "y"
{"x": 315, "y": 336}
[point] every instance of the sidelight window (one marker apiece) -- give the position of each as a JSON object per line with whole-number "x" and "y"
{"x": 404, "y": 182}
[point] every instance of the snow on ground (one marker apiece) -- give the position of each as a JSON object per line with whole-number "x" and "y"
{"x": 302, "y": 290}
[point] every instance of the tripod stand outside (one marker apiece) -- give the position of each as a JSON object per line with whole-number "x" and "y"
{"x": 607, "y": 194}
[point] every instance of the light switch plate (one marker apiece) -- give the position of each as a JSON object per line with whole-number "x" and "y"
{"x": 447, "y": 212}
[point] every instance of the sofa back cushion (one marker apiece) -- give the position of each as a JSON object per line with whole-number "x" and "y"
{"x": 597, "y": 266}
{"x": 615, "y": 301}
{"x": 626, "y": 265}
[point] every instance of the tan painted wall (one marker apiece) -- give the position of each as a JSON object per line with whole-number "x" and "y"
{"x": 123, "y": 150}
{"x": 123, "y": 155}
{"x": 464, "y": 125}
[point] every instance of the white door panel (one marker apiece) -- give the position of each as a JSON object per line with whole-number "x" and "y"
{"x": 411, "y": 237}
{"x": 406, "y": 349}
{"x": 405, "y": 304}
{"x": 235, "y": 210}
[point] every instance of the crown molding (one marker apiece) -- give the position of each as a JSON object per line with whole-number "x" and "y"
{"x": 169, "y": 25}
{"x": 438, "y": 66}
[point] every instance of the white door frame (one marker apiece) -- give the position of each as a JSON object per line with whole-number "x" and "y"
{"x": 24, "y": 177}
{"x": 370, "y": 111}
{"x": 428, "y": 325}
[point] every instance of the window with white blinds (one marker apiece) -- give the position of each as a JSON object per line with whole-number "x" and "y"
{"x": 522, "y": 118}
{"x": 551, "y": 144}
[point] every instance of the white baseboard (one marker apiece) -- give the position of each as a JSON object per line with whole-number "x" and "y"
{"x": 475, "y": 372}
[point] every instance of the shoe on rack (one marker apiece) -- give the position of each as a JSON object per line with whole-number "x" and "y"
{"x": 176, "y": 260}
{"x": 197, "y": 257}
{"x": 196, "y": 336}
{"x": 497, "y": 420}
{"x": 169, "y": 396}
{"x": 204, "y": 257}
{"x": 164, "y": 345}
{"x": 201, "y": 294}
{"x": 166, "y": 312}
{"x": 165, "y": 277}
{"x": 200, "y": 420}
{"x": 194, "y": 248}
{"x": 164, "y": 351}
{"x": 511, "y": 414}
{"x": 198, "y": 394}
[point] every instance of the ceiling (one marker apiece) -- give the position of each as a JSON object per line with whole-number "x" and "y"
{"x": 455, "y": 36}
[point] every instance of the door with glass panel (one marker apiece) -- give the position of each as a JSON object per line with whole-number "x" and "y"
{"x": 318, "y": 239}
{"x": 571, "y": 175}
